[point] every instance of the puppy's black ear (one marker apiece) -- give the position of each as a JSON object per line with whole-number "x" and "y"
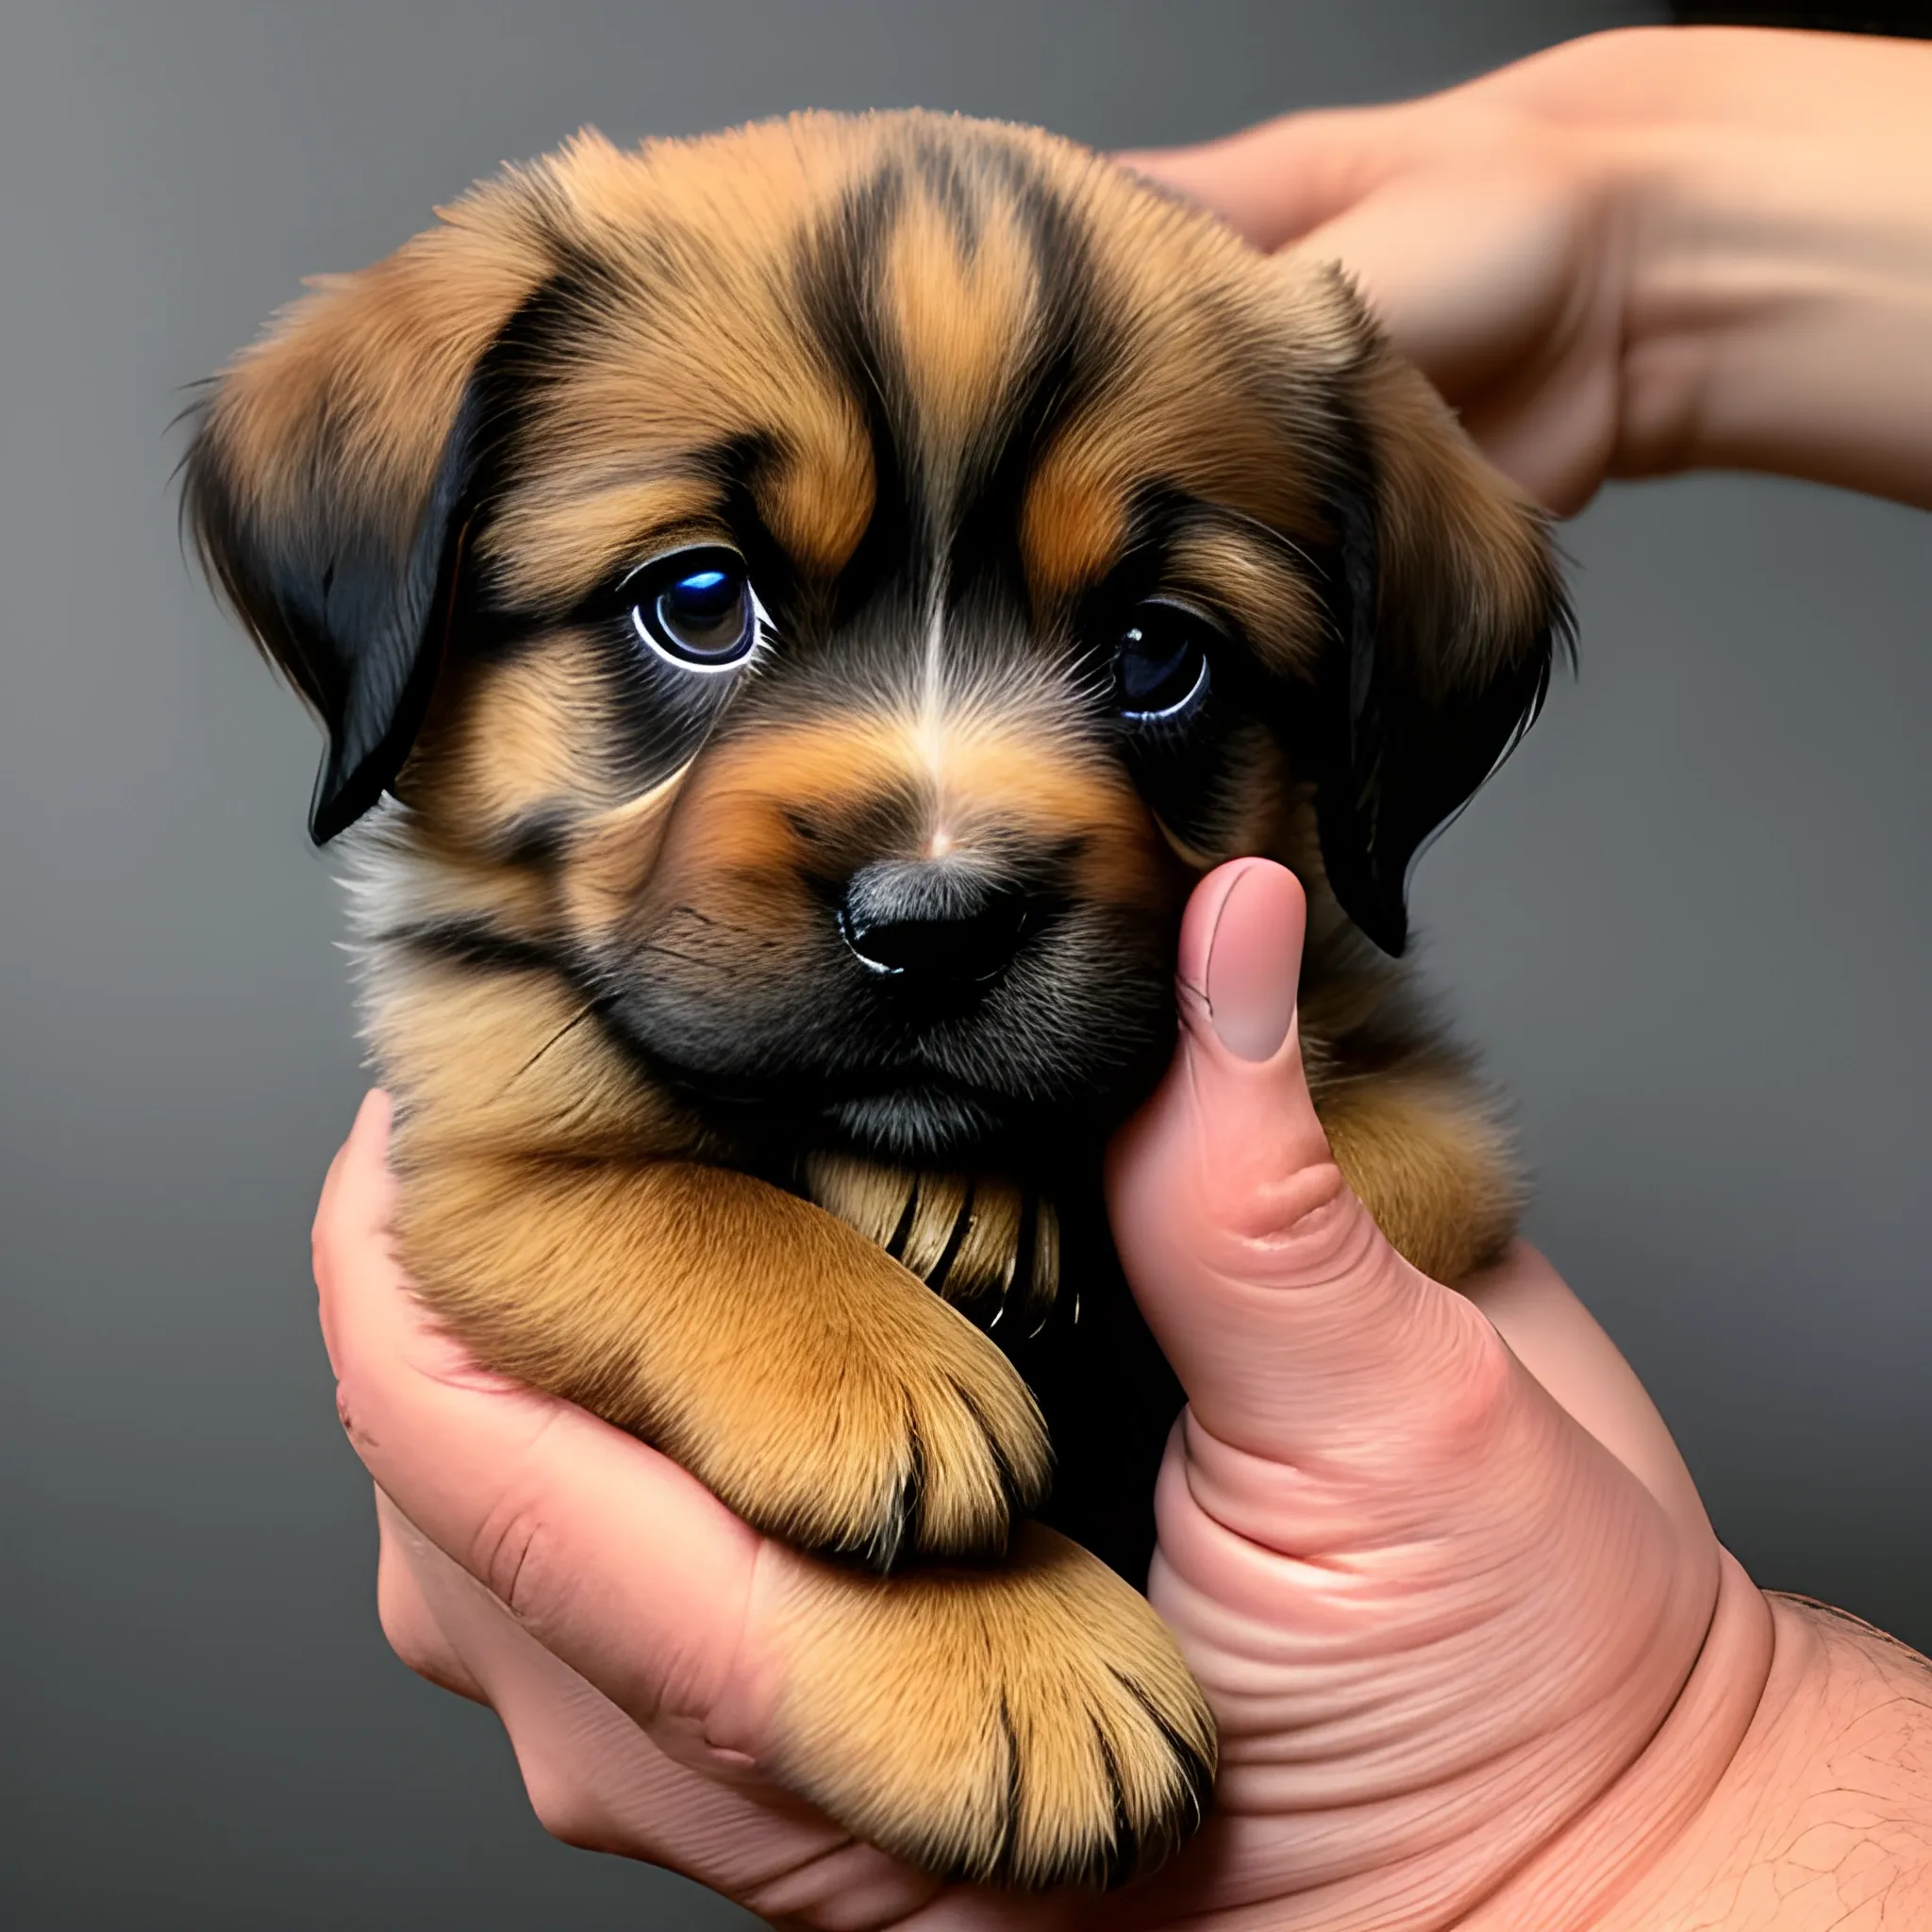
{"x": 327, "y": 484}
{"x": 1449, "y": 608}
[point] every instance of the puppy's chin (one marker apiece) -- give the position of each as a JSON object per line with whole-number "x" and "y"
{"x": 920, "y": 1124}
{"x": 938, "y": 1125}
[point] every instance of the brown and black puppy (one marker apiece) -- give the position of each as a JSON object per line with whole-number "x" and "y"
{"x": 793, "y": 613}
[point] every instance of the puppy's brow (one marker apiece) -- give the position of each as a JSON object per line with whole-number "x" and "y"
{"x": 1261, "y": 579}
{"x": 552, "y": 547}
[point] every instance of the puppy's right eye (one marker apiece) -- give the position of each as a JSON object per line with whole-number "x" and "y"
{"x": 697, "y": 610}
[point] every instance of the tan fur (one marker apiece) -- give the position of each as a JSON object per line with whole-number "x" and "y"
{"x": 984, "y": 1264}
{"x": 864, "y": 1194}
{"x": 1435, "y": 1166}
{"x": 1073, "y": 526}
{"x": 574, "y": 1218}
{"x": 558, "y": 547}
{"x": 959, "y": 323}
{"x": 769, "y": 1326}
{"x": 992, "y": 1746}
{"x": 1275, "y": 605}
{"x": 735, "y": 846}
{"x": 508, "y": 739}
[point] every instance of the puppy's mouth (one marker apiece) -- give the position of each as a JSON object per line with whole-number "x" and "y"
{"x": 918, "y": 1116}
{"x": 913, "y": 1114}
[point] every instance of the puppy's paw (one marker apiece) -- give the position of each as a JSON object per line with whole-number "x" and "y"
{"x": 1032, "y": 1725}
{"x": 831, "y": 1398}
{"x": 889, "y": 1431}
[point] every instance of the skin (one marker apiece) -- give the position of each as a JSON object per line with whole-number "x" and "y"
{"x": 1478, "y": 1660}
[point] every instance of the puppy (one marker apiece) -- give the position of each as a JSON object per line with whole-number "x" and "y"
{"x": 792, "y": 614}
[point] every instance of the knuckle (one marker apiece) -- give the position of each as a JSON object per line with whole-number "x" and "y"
{"x": 411, "y": 1629}
{"x": 353, "y": 1413}
{"x": 509, "y": 1557}
{"x": 360, "y": 1439}
{"x": 1306, "y": 1221}
{"x": 411, "y": 1633}
{"x": 1472, "y": 1390}
{"x": 563, "y": 1804}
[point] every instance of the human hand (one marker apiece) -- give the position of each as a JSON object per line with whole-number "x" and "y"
{"x": 1476, "y": 1657}
{"x": 1639, "y": 251}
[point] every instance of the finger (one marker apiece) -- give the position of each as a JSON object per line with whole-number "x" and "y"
{"x": 1294, "y": 1327}
{"x": 596, "y": 1779}
{"x": 612, "y": 1557}
{"x": 410, "y": 1623}
{"x": 357, "y": 1200}
{"x": 1470, "y": 270}
{"x": 358, "y": 1177}
{"x": 1276, "y": 182}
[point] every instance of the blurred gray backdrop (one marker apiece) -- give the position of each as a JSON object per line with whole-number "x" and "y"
{"x": 1688, "y": 924}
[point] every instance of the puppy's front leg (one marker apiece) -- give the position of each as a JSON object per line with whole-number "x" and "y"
{"x": 822, "y": 1392}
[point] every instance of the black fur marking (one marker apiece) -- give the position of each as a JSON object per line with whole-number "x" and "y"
{"x": 883, "y": 1549}
{"x": 475, "y": 942}
{"x": 1021, "y": 1501}
{"x": 836, "y": 271}
{"x": 1196, "y": 1770}
{"x": 1393, "y": 763}
{"x": 895, "y": 1247}
{"x": 1076, "y": 338}
{"x": 654, "y": 719}
{"x": 359, "y": 628}
{"x": 1108, "y": 1395}
{"x": 1002, "y": 1864}
{"x": 351, "y": 623}
{"x": 962, "y": 1221}
{"x": 950, "y": 189}
{"x": 1122, "y": 1857}
{"x": 839, "y": 270}
{"x": 538, "y": 838}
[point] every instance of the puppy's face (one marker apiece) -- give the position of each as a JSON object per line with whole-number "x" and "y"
{"x": 826, "y": 592}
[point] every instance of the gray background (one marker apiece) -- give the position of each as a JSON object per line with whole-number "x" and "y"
{"x": 1689, "y": 925}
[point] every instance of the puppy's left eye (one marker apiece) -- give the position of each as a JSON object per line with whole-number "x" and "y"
{"x": 698, "y": 609}
{"x": 1160, "y": 666}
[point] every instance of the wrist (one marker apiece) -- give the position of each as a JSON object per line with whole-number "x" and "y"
{"x": 1820, "y": 1818}
{"x": 1774, "y": 238}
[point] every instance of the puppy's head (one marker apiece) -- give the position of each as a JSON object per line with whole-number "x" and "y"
{"x": 844, "y": 579}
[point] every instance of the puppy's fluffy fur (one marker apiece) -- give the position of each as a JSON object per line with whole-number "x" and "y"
{"x": 740, "y": 987}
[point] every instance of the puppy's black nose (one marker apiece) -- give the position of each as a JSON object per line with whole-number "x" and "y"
{"x": 934, "y": 922}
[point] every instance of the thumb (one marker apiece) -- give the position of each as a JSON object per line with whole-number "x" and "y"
{"x": 1296, "y": 1330}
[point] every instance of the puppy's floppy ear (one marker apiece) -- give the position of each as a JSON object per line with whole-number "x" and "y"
{"x": 325, "y": 488}
{"x": 1449, "y": 610}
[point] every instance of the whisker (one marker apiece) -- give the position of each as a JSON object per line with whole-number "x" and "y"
{"x": 569, "y": 1025}
{"x": 672, "y": 953}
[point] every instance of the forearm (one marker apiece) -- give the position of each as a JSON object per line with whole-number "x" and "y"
{"x": 1774, "y": 197}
